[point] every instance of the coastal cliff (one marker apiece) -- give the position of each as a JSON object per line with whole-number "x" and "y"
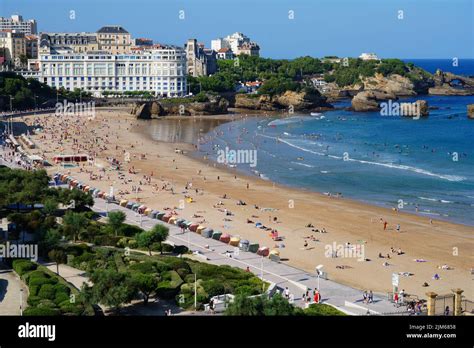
{"x": 303, "y": 100}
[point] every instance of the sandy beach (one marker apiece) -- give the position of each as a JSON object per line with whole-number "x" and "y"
{"x": 168, "y": 178}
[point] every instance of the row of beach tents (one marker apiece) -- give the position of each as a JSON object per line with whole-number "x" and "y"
{"x": 170, "y": 218}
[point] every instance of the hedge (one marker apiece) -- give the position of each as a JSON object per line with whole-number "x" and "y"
{"x": 23, "y": 266}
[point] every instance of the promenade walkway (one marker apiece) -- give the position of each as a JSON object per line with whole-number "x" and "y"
{"x": 341, "y": 296}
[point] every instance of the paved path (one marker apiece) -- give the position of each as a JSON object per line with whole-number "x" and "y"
{"x": 344, "y": 297}
{"x": 73, "y": 275}
{"x": 10, "y": 286}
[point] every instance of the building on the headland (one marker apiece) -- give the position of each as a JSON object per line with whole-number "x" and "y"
{"x": 225, "y": 53}
{"x": 319, "y": 83}
{"x": 161, "y": 71}
{"x": 114, "y": 39}
{"x": 13, "y": 47}
{"x": 238, "y": 43}
{"x": 200, "y": 61}
{"x": 369, "y": 56}
{"x": 16, "y": 23}
{"x": 78, "y": 42}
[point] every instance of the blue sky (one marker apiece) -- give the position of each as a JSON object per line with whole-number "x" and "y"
{"x": 430, "y": 28}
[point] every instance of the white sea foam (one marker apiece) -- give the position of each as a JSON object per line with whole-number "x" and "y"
{"x": 303, "y": 164}
{"x": 387, "y": 165}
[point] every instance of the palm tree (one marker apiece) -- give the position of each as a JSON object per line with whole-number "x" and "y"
{"x": 116, "y": 219}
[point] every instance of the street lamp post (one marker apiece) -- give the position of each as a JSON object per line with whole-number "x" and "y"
{"x": 195, "y": 291}
{"x": 21, "y": 301}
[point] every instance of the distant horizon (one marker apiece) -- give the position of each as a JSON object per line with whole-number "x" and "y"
{"x": 344, "y": 28}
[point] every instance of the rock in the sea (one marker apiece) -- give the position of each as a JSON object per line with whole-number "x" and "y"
{"x": 417, "y": 109}
{"x": 470, "y": 111}
{"x": 143, "y": 111}
{"x": 369, "y": 100}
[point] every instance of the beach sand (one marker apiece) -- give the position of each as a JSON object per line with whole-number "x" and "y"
{"x": 114, "y": 132}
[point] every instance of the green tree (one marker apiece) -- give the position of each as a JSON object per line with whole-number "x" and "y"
{"x": 158, "y": 234}
{"x": 116, "y": 219}
{"x": 110, "y": 288}
{"x": 74, "y": 223}
{"x": 58, "y": 256}
{"x": 145, "y": 284}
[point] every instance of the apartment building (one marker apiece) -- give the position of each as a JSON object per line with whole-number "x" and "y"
{"x": 238, "y": 43}
{"x": 13, "y": 47}
{"x": 16, "y": 23}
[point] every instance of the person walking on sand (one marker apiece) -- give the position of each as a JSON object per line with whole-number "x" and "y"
{"x": 371, "y": 297}
{"x": 398, "y": 227}
{"x": 385, "y": 223}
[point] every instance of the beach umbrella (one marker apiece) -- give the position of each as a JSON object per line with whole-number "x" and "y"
{"x": 130, "y": 204}
{"x": 141, "y": 209}
{"x": 200, "y": 229}
{"x": 136, "y": 206}
{"x": 172, "y": 220}
{"x": 154, "y": 213}
{"x": 148, "y": 211}
{"x": 160, "y": 215}
{"x": 123, "y": 203}
{"x": 193, "y": 227}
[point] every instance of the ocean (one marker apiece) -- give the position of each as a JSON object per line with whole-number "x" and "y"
{"x": 458, "y": 66}
{"x": 424, "y": 166}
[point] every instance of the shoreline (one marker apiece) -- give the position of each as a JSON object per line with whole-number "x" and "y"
{"x": 344, "y": 220}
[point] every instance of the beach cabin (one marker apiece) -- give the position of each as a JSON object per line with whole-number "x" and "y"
{"x": 166, "y": 218}
{"x": 172, "y": 220}
{"x": 123, "y": 203}
{"x": 160, "y": 215}
{"x": 274, "y": 255}
{"x": 179, "y": 222}
{"x": 244, "y": 245}
{"x": 154, "y": 213}
{"x": 253, "y": 247}
{"x": 234, "y": 241}
{"x": 136, "y": 206}
{"x": 193, "y": 227}
{"x": 129, "y": 204}
{"x": 225, "y": 238}
{"x": 263, "y": 251}
{"x": 216, "y": 235}
{"x": 207, "y": 232}
{"x": 141, "y": 209}
{"x": 200, "y": 229}
{"x": 148, "y": 211}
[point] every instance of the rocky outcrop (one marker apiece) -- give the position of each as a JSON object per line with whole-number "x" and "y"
{"x": 214, "y": 105}
{"x": 447, "y": 83}
{"x": 303, "y": 100}
{"x": 370, "y": 100}
{"x": 394, "y": 84}
{"x": 419, "y": 108}
{"x": 470, "y": 111}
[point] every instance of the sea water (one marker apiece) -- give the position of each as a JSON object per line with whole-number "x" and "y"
{"x": 423, "y": 166}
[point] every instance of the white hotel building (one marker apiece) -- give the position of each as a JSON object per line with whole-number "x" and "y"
{"x": 160, "y": 70}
